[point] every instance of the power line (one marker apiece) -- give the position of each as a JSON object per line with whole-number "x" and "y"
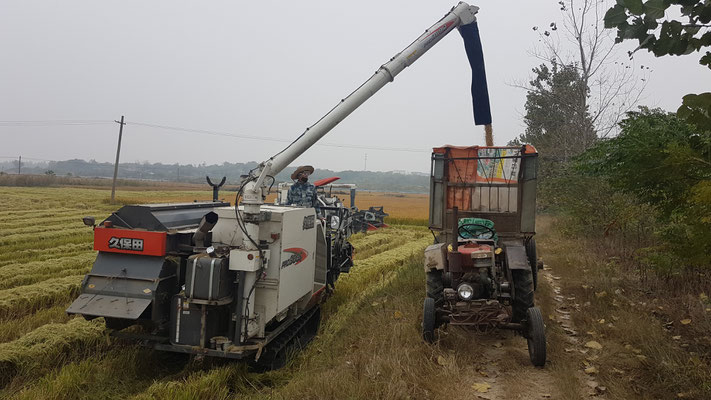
{"x": 27, "y": 158}
{"x": 271, "y": 139}
{"x": 40, "y": 123}
{"x": 207, "y": 132}
{"x": 31, "y": 123}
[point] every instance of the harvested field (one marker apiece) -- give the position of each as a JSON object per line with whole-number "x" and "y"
{"x": 45, "y": 250}
{"x": 403, "y": 208}
{"x": 368, "y": 346}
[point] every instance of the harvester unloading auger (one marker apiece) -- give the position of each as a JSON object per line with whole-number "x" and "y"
{"x": 244, "y": 281}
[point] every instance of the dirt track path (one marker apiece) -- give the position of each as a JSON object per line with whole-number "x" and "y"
{"x": 503, "y": 369}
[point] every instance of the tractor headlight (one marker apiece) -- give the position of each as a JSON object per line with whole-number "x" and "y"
{"x": 465, "y": 291}
{"x": 335, "y": 221}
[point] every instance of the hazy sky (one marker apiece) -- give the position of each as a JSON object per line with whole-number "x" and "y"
{"x": 266, "y": 69}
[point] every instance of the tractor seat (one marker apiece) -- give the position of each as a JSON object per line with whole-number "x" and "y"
{"x": 473, "y": 247}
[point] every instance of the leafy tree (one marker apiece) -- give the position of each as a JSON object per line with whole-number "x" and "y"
{"x": 665, "y": 162}
{"x": 557, "y": 124}
{"x": 557, "y": 120}
{"x": 647, "y": 23}
{"x": 657, "y": 156}
{"x": 696, "y": 109}
{"x": 637, "y": 20}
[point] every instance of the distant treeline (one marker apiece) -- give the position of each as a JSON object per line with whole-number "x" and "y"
{"x": 366, "y": 180}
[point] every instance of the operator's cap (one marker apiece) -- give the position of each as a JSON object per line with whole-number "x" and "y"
{"x": 301, "y": 169}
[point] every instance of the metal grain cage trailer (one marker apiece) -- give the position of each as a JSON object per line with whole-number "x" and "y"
{"x": 495, "y": 183}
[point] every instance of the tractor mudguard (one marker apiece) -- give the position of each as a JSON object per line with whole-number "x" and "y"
{"x": 516, "y": 257}
{"x": 435, "y": 257}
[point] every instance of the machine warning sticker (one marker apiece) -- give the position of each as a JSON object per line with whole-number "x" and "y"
{"x": 126, "y": 244}
{"x": 297, "y": 256}
{"x": 309, "y": 221}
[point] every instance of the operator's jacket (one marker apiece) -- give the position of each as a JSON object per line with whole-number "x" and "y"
{"x": 302, "y": 194}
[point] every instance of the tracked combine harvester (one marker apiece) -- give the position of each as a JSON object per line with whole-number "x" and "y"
{"x": 242, "y": 281}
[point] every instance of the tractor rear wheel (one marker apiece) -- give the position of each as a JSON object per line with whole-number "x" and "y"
{"x": 533, "y": 260}
{"x": 429, "y": 318}
{"x": 435, "y": 288}
{"x": 536, "y": 336}
{"x": 523, "y": 293}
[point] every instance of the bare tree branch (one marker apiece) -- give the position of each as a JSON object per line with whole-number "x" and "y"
{"x": 614, "y": 87}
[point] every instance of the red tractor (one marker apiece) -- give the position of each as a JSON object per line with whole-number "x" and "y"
{"x": 482, "y": 270}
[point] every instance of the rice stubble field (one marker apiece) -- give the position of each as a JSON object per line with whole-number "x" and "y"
{"x": 369, "y": 344}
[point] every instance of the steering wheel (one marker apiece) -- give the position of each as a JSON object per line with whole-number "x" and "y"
{"x": 465, "y": 228}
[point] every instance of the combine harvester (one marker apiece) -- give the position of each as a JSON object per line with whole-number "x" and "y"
{"x": 327, "y": 192}
{"x": 368, "y": 220}
{"x": 243, "y": 281}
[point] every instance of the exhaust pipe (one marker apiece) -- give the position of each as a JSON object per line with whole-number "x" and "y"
{"x": 208, "y": 222}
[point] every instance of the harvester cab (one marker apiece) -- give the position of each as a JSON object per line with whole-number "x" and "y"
{"x": 331, "y": 197}
{"x": 482, "y": 270}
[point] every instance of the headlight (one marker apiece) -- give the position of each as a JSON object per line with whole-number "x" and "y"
{"x": 335, "y": 221}
{"x": 465, "y": 291}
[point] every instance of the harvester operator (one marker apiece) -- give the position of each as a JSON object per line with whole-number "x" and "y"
{"x": 302, "y": 193}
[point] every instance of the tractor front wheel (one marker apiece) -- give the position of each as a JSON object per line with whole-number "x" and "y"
{"x": 536, "y": 336}
{"x": 429, "y": 318}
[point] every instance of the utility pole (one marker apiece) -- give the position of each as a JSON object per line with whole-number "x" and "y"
{"x": 365, "y": 162}
{"x": 19, "y": 166}
{"x": 118, "y": 151}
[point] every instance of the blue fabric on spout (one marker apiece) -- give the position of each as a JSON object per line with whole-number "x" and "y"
{"x": 480, "y": 92}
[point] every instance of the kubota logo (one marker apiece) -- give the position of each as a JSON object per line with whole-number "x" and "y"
{"x": 126, "y": 244}
{"x": 297, "y": 256}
